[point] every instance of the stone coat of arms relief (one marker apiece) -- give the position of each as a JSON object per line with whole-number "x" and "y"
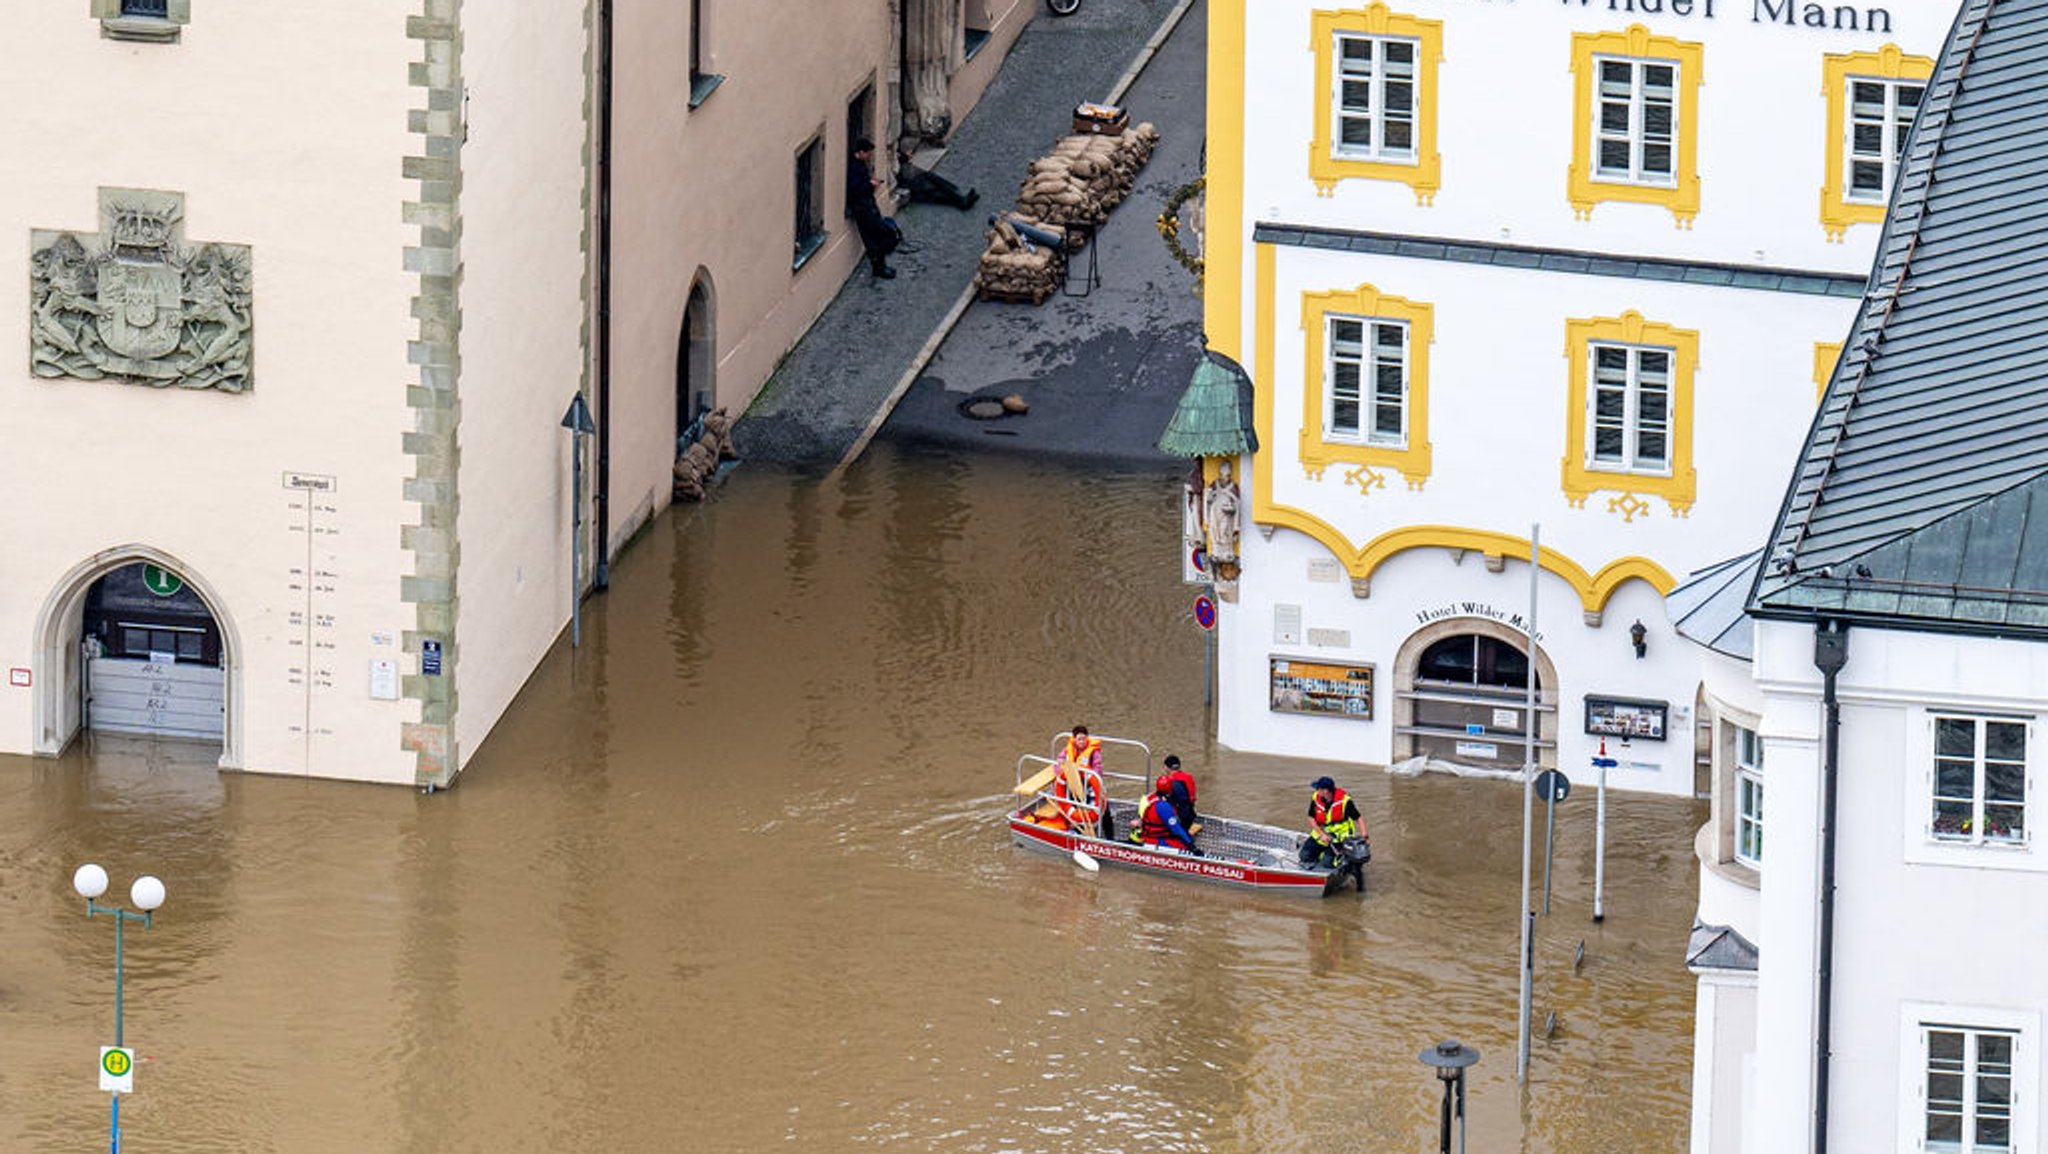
{"x": 136, "y": 303}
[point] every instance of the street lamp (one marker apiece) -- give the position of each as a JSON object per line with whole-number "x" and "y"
{"x": 146, "y": 894}
{"x": 1449, "y": 1059}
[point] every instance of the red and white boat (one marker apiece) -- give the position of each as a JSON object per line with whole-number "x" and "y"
{"x": 1244, "y": 854}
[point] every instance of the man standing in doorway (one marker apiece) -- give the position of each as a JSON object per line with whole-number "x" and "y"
{"x": 878, "y": 234}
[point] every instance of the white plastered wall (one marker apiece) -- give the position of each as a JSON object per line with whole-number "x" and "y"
{"x": 522, "y": 350}
{"x": 290, "y": 144}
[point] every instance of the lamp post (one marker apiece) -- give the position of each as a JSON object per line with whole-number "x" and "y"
{"x": 147, "y": 894}
{"x": 1449, "y": 1059}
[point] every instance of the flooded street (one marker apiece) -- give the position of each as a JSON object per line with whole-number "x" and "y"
{"x": 732, "y": 877}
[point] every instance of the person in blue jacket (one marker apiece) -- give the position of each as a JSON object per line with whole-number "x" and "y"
{"x": 1159, "y": 825}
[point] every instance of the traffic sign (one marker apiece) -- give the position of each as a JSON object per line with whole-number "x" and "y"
{"x": 1205, "y": 612}
{"x": 1553, "y": 785}
{"x": 161, "y": 581}
{"x": 117, "y": 1069}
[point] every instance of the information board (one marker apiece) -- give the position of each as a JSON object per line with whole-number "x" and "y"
{"x": 1321, "y": 688}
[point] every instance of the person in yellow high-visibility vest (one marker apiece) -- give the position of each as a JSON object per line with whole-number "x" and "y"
{"x": 1332, "y": 817}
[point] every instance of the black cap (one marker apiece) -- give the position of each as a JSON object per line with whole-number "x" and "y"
{"x": 1172, "y": 761}
{"x": 1323, "y": 783}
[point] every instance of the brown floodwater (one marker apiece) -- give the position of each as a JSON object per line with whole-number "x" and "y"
{"x": 732, "y": 877}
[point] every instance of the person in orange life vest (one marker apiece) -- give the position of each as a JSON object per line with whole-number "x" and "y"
{"x": 1085, "y": 810}
{"x": 1332, "y": 817}
{"x": 1158, "y": 824}
{"x": 1183, "y": 785}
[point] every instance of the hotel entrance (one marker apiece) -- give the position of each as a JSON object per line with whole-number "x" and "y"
{"x": 1460, "y": 695}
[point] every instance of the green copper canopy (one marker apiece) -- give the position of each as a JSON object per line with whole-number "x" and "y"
{"x": 1214, "y": 415}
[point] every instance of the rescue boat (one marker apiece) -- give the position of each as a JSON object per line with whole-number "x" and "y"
{"x": 1242, "y": 854}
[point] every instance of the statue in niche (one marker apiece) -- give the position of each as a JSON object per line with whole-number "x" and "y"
{"x": 1220, "y": 502}
{"x": 135, "y": 303}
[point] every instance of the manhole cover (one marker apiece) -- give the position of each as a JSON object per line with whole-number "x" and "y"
{"x": 982, "y": 408}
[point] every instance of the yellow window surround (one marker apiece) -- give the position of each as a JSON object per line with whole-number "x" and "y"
{"x": 1594, "y": 587}
{"x": 1581, "y": 477}
{"x": 1584, "y": 189}
{"x": 1365, "y": 302}
{"x": 1825, "y": 354}
{"x": 1890, "y": 64}
{"x": 1425, "y": 173}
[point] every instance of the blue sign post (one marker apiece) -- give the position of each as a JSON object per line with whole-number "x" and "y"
{"x": 430, "y": 658}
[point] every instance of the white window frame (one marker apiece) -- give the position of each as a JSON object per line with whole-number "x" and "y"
{"x": 1632, "y": 421}
{"x": 1973, "y": 833}
{"x": 1892, "y": 134}
{"x": 1636, "y": 134}
{"x": 1368, "y": 398}
{"x": 1376, "y": 113}
{"x": 1916, "y": 1020}
{"x": 1748, "y": 761}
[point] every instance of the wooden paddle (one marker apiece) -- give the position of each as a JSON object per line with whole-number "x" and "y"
{"x": 1078, "y": 792}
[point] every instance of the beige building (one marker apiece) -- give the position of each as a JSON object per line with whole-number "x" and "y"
{"x": 298, "y": 317}
{"x": 729, "y": 187}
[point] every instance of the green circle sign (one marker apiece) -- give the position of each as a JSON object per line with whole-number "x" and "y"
{"x": 115, "y": 1063}
{"x": 161, "y": 581}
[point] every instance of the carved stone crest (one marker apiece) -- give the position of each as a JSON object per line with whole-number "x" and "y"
{"x": 134, "y": 302}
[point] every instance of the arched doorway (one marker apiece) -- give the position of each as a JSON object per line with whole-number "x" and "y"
{"x": 696, "y": 391}
{"x": 132, "y": 642}
{"x": 1460, "y": 695}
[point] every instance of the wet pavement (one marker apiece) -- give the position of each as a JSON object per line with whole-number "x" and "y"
{"x": 842, "y": 374}
{"x": 733, "y": 877}
{"x": 1101, "y": 372}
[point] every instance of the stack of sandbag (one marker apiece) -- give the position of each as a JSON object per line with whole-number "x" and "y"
{"x": 1085, "y": 176}
{"x": 1021, "y": 263}
{"x": 699, "y": 462}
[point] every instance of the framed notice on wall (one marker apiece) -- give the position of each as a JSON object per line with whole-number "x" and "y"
{"x": 1630, "y": 718}
{"x": 1322, "y": 688}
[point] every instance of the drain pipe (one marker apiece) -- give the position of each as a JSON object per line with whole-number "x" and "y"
{"x": 1830, "y": 653}
{"x": 601, "y": 578}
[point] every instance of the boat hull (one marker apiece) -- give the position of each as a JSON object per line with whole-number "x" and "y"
{"x": 1251, "y": 873}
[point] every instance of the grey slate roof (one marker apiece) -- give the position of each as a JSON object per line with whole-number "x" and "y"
{"x": 1719, "y": 948}
{"x": 1523, "y": 256}
{"x": 1709, "y": 606}
{"x": 1913, "y": 501}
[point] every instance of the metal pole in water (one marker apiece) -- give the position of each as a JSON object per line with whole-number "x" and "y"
{"x": 1530, "y": 726}
{"x": 1600, "y": 844}
{"x": 576, "y": 545}
{"x": 1549, "y": 825}
{"x": 1209, "y": 665}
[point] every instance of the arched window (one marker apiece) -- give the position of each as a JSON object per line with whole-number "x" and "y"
{"x": 1474, "y": 659}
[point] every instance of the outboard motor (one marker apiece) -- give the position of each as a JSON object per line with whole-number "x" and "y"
{"x": 1352, "y": 854}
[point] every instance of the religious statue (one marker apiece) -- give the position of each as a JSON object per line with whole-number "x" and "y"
{"x": 1220, "y": 503}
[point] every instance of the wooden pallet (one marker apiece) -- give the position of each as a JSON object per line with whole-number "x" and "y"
{"x": 1035, "y": 297}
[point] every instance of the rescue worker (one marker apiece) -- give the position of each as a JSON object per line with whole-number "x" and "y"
{"x": 1183, "y": 784}
{"x": 1158, "y": 825}
{"x": 1332, "y": 817}
{"x": 1082, "y": 761}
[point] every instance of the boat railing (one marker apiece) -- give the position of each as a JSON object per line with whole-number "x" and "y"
{"x": 1031, "y": 797}
{"x": 1144, "y": 779}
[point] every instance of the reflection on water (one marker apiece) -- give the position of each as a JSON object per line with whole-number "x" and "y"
{"x": 731, "y": 878}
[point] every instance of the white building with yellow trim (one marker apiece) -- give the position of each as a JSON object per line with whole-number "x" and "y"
{"x": 1495, "y": 265}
